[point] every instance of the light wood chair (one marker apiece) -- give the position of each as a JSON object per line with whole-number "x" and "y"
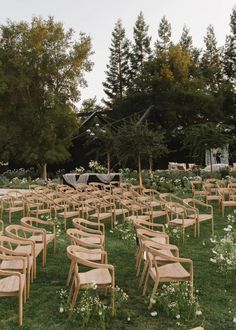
{"x": 101, "y": 274}
{"x": 212, "y": 191}
{"x": 12, "y": 283}
{"x": 171, "y": 271}
{"x": 197, "y": 189}
{"x": 90, "y": 227}
{"x": 1, "y": 227}
{"x": 227, "y": 198}
{"x": 204, "y": 212}
{"x": 99, "y": 255}
{"x": 12, "y": 247}
{"x": 35, "y": 223}
{"x": 168, "y": 249}
{"x": 151, "y": 235}
{"x": 23, "y": 233}
{"x": 181, "y": 216}
{"x": 9, "y": 206}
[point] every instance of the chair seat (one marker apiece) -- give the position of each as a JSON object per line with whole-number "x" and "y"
{"x": 15, "y": 264}
{"x": 101, "y": 276}
{"x": 11, "y": 284}
{"x": 203, "y": 217}
{"x": 89, "y": 256}
{"x": 40, "y": 211}
{"x": 14, "y": 209}
{"x": 170, "y": 272}
{"x": 183, "y": 222}
{"x": 158, "y": 239}
{"x": 101, "y": 216}
{"x": 38, "y": 238}
{"x": 69, "y": 214}
{"x": 138, "y": 217}
{"x": 93, "y": 239}
{"x": 27, "y": 248}
{"x": 156, "y": 214}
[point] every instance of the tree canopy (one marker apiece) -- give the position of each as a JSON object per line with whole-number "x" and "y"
{"x": 41, "y": 68}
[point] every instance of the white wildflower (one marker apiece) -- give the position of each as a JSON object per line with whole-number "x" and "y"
{"x": 153, "y": 313}
{"x": 198, "y": 312}
{"x": 61, "y": 309}
{"x": 178, "y": 316}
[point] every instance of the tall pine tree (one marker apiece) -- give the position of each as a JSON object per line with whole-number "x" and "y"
{"x": 230, "y": 51}
{"x": 117, "y": 74}
{"x": 211, "y": 62}
{"x": 164, "y": 33}
{"x": 141, "y": 51}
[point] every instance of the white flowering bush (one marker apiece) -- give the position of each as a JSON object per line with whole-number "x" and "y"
{"x": 79, "y": 170}
{"x": 174, "y": 301}
{"x": 92, "y": 307}
{"x": 95, "y": 166}
{"x": 125, "y": 231}
{"x": 175, "y": 234}
{"x": 224, "y": 248}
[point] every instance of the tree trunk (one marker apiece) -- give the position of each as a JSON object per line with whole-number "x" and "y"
{"x": 140, "y": 174}
{"x": 43, "y": 171}
{"x": 150, "y": 164}
{"x": 210, "y": 161}
{"x": 108, "y": 162}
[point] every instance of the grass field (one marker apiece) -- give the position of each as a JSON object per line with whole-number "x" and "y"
{"x": 217, "y": 292}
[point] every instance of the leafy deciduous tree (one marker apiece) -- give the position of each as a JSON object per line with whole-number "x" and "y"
{"x": 41, "y": 69}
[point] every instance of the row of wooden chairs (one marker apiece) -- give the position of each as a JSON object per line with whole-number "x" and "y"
{"x": 87, "y": 249}
{"x": 19, "y": 247}
{"x": 161, "y": 261}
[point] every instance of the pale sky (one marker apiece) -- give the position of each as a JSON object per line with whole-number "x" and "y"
{"x": 97, "y": 18}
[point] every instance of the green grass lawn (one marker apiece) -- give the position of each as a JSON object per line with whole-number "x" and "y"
{"x": 217, "y": 292}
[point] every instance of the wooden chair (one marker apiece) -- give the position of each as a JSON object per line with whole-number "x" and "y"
{"x": 35, "y": 223}
{"x": 87, "y": 237}
{"x": 147, "y": 234}
{"x": 101, "y": 211}
{"x": 12, "y": 247}
{"x": 180, "y": 216}
{"x": 101, "y": 274}
{"x": 19, "y": 232}
{"x": 204, "y": 212}
{"x": 66, "y": 210}
{"x": 9, "y": 206}
{"x": 227, "y": 198}
{"x": 12, "y": 283}
{"x": 75, "y": 238}
{"x": 1, "y": 227}
{"x": 197, "y": 189}
{"x": 171, "y": 271}
{"x": 212, "y": 191}
{"x": 90, "y": 227}
{"x": 168, "y": 249}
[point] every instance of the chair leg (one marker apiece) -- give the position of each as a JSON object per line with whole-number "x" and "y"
{"x": 20, "y": 308}
{"x": 153, "y": 293}
{"x": 70, "y": 273}
{"x": 145, "y": 284}
{"x": 143, "y": 274}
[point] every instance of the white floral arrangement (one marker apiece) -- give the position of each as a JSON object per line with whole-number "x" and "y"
{"x": 91, "y": 307}
{"x": 175, "y": 301}
{"x": 224, "y": 249}
{"x": 95, "y": 166}
{"x": 125, "y": 231}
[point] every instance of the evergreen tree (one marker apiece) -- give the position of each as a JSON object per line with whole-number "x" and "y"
{"x": 230, "y": 51}
{"x": 164, "y": 33}
{"x": 117, "y": 73}
{"x": 141, "y": 51}
{"x": 186, "y": 41}
{"x": 211, "y": 63}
